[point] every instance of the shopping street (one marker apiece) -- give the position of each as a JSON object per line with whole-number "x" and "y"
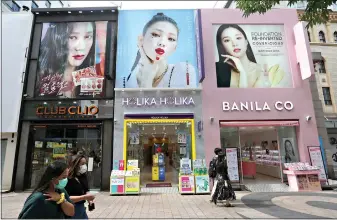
{"x": 175, "y": 206}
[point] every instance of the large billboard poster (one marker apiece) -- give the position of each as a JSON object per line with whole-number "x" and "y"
{"x": 158, "y": 50}
{"x": 71, "y": 59}
{"x": 251, "y": 56}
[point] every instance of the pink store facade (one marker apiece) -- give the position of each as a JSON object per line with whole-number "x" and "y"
{"x": 256, "y": 96}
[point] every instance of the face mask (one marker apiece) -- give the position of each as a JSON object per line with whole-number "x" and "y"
{"x": 62, "y": 183}
{"x": 83, "y": 169}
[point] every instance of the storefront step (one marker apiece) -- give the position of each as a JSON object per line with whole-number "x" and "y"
{"x": 280, "y": 187}
{"x": 160, "y": 190}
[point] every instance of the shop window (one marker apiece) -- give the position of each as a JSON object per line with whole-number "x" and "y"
{"x": 335, "y": 36}
{"x": 48, "y": 4}
{"x": 158, "y": 148}
{"x": 13, "y": 6}
{"x": 321, "y": 37}
{"x": 54, "y": 142}
{"x": 319, "y": 66}
{"x": 34, "y": 5}
{"x": 327, "y": 96}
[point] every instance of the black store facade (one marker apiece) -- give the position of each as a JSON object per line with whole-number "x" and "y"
{"x": 68, "y": 94}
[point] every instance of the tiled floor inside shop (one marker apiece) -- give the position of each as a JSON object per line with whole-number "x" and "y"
{"x": 171, "y": 175}
{"x": 264, "y": 183}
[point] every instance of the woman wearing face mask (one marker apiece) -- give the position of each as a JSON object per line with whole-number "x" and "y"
{"x": 237, "y": 67}
{"x": 66, "y": 47}
{"x": 158, "y": 41}
{"x": 49, "y": 199}
{"x": 77, "y": 186}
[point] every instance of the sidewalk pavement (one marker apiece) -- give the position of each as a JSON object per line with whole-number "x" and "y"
{"x": 174, "y": 206}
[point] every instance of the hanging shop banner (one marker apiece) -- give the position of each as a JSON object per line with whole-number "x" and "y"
{"x": 59, "y": 150}
{"x": 317, "y": 160}
{"x": 265, "y": 48}
{"x": 232, "y": 163}
{"x": 182, "y": 136}
{"x": 134, "y": 138}
{"x": 162, "y": 39}
{"x": 77, "y": 72}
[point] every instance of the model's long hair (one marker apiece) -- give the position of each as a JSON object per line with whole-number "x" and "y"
{"x": 156, "y": 18}
{"x": 53, "y": 57}
{"x": 52, "y": 171}
{"x": 291, "y": 145}
{"x": 75, "y": 166}
{"x": 221, "y": 49}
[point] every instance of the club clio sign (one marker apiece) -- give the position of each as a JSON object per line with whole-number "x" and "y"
{"x": 158, "y": 101}
{"x": 66, "y": 111}
{"x": 257, "y": 106}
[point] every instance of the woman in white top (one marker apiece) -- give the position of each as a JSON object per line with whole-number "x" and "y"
{"x": 150, "y": 69}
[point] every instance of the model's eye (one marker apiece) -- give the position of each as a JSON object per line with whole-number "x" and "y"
{"x": 89, "y": 37}
{"x": 171, "y": 39}
{"x": 239, "y": 38}
{"x": 226, "y": 41}
{"x": 155, "y": 35}
{"x": 72, "y": 37}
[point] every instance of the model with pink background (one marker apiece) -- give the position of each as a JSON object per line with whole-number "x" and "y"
{"x": 237, "y": 67}
{"x": 158, "y": 41}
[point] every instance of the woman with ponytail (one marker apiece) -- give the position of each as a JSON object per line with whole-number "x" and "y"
{"x": 158, "y": 41}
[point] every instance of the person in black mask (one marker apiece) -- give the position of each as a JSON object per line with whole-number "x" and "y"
{"x": 77, "y": 186}
{"x": 223, "y": 188}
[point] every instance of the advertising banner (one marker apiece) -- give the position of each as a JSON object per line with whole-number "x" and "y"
{"x": 72, "y": 59}
{"x": 59, "y": 150}
{"x": 202, "y": 184}
{"x": 132, "y": 184}
{"x": 317, "y": 160}
{"x": 251, "y": 56}
{"x": 158, "y": 52}
{"x": 187, "y": 184}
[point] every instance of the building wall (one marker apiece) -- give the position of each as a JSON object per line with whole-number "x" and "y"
{"x": 300, "y": 95}
{"x": 9, "y": 160}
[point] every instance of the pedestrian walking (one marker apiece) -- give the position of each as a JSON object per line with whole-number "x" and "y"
{"x": 212, "y": 169}
{"x": 49, "y": 200}
{"x": 223, "y": 188}
{"x": 78, "y": 187}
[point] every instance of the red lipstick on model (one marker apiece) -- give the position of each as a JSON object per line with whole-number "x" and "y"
{"x": 78, "y": 57}
{"x": 237, "y": 50}
{"x": 160, "y": 51}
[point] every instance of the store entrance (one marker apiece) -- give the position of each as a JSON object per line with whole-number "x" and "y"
{"x": 262, "y": 152}
{"x": 158, "y": 147}
{"x": 55, "y": 141}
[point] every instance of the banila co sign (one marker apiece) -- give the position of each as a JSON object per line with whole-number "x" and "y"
{"x": 256, "y": 106}
{"x": 155, "y": 101}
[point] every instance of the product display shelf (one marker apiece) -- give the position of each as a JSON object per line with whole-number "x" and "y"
{"x": 303, "y": 180}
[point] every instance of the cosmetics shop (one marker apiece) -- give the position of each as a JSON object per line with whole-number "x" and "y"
{"x": 67, "y": 104}
{"x": 164, "y": 123}
{"x": 264, "y": 124}
{"x": 52, "y": 130}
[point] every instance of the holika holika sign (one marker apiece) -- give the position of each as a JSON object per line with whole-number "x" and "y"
{"x": 153, "y": 101}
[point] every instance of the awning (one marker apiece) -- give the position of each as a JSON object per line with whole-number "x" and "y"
{"x": 257, "y": 123}
{"x": 316, "y": 56}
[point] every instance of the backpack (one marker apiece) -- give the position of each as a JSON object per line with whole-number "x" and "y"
{"x": 212, "y": 168}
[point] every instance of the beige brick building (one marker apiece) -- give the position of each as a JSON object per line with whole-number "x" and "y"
{"x": 323, "y": 43}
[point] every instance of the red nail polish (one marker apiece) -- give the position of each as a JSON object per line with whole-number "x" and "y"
{"x": 157, "y": 58}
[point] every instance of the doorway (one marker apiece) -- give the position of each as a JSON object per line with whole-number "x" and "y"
{"x": 158, "y": 145}
{"x": 262, "y": 151}
{"x": 3, "y": 155}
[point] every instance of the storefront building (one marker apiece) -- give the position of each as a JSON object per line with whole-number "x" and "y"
{"x": 68, "y": 94}
{"x": 263, "y": 111}
{"x": 162, "y": 117}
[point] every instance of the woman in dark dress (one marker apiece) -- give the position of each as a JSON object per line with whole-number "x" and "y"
{"x": 223, "y": 187}
{"x": 77, "y": 186}
{"x": 49, "y": 199}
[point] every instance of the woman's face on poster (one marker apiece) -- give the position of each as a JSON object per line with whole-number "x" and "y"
{"x": 160, "y": 40}
{"x": 288, "y": 147}
{"x": 80, "y": 42}
{"x": 234, "y": 42}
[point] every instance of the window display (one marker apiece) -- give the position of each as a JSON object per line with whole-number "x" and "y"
{"x": 51, "y": 142}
